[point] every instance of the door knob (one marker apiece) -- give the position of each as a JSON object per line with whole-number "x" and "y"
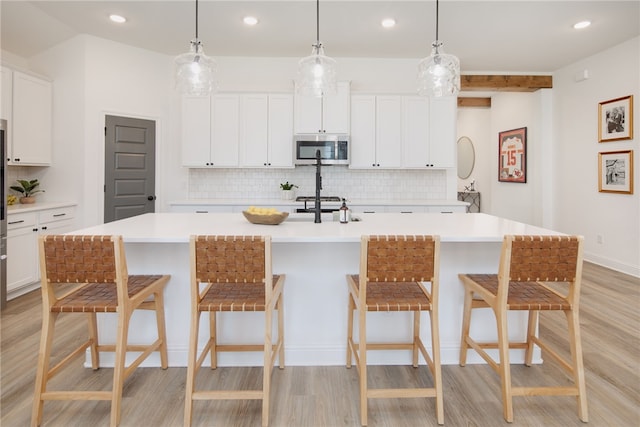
{"x": 151, "y": 198}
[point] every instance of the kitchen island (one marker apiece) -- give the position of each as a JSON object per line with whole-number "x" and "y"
{"x": 315, "y": 258}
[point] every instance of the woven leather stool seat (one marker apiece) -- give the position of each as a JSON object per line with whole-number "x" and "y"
{"x": 523, "y": 295}
{"x": 95, "y": 267}
{"x": 528, "y": 267}
{"x": 393, "y": 277}
{"x": 235, "y": 297}
{"x": 233, "y": 274}
{"x": 101, "y": 297}
{"x": 391, "y": 296}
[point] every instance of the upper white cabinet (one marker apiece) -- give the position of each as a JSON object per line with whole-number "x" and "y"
{"x": 27, "y": 107}
{"x": 6, "y": 95}
{"x": 210, "y": 130}
{"x": 376, "y": 132}
{"x": 267, "y": 130}
{"x": 429, "y": 132}
{"x": 329, "y": 114}
{"x": 415, "y": 131}
{"x": 442, "y": 132}
{"x": 394, "y": 132}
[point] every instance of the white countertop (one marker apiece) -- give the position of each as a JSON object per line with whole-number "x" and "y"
{"x": 37, "y": 206}
{"x": 280, "y": 202}
{"x": 300, "y": 228}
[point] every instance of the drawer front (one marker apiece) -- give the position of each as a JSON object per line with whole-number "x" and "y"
{"x": 52, "y": 215}
{"x": 20, "y": 220}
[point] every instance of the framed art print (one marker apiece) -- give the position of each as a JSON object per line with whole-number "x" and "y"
{"x": 512, "y": 155}
{"x": 615, "y": 172}
{"x": 615, "y": 119}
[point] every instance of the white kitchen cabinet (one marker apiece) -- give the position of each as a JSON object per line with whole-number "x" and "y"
{"x": 23, "y": 229}
{"x": 6, "y": 95}
{"x": 363, "y": 132}
{"x": 446, "y": 209}
{"x": 442, "y": 131}
{"x": 31, "y": 120}
{"x": 376, "y": 132}
{"x": 415, "y": 131}
{"x": 328, "y": 114}
{"x": 22, "y": 250}
{"x": 267, "y": 130}
{"x": 210, "y": 131}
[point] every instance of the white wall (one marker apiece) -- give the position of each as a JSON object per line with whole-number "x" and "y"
{"x": 475, "y": 123}
{"x": 93, "y": 78}
{"x": 580, "y": 208}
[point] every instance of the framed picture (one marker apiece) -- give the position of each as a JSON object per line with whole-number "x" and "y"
{"x": 512, "y": 155}
{"x": 615, "y": 172}
{"x": 615, "y": 119}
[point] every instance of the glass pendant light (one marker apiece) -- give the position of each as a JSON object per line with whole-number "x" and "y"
{"x": 439, "y": 73}
{"x": 195, "y": 70}
{"x": 316, "y": 72}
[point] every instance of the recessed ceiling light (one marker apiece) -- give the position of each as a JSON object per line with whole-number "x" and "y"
{"x": 118, "y": 19}
{"x": 388, "y": 22}
{"x": 582, "y": 24}
{"x": 250, "y": 20}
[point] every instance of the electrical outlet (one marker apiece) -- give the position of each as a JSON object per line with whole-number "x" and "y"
{"x": 599, "y": 239}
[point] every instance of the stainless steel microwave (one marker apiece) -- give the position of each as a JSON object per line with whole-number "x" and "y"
{"x": 334, "y": 149}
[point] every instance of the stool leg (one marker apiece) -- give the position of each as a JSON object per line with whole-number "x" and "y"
{"x": 119, "y": 365}
{"x": 162, "y": 332}
{"x": 505, "y": 367}
{"x": 416, "y": 337}
{"x": 437, "y": 374}
{"x": 93, "y": 335}
{"x": 280, "y": 308}
{"x": 350, "y": 331}
{"x": 46, "y": 339}
{"x": 362, "y": 358}
{"x": 466, "y": 323}
{"x": 532, "y": 327}
{"x": 213, "y": 338}
{"x": 268, "y": 366}
{"x": 577, "y": 363}
{"x": 191, "y": 364}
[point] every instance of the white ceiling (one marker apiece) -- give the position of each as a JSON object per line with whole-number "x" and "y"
{"x": 499, "y": 36}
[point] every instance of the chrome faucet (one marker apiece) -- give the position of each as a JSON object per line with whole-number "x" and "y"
{"x": 317, "y": 207}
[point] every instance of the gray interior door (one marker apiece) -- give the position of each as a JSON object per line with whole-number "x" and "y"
{"x": 129, "y": 167}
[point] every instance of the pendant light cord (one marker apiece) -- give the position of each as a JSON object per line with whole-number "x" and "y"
{"x": 196, "y": 19}
{"x": 436, "y": 20}
{"x": 318, "y": 22}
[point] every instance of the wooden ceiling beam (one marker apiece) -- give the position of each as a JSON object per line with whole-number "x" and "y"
{"x": 464, "y": 102}
{"x": 505, "y": 83}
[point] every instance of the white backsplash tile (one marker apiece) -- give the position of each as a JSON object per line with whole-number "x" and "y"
{"x": 336, "y": 181}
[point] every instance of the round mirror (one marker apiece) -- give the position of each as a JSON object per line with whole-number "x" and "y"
{"x": 466, "y": 157}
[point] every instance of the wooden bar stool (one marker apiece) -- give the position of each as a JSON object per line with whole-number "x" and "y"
{"x": 528, "y": 267}
{"x": 393, "y": 272}
{"x": 97, "y": 267}
{"x": 233, "y": 273}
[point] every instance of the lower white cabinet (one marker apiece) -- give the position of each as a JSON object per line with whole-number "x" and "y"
{"x": 23, "y": 264}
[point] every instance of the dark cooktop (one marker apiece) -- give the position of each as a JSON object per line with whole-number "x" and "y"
{"x": 322, "y": 199}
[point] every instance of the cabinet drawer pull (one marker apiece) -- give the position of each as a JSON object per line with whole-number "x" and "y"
{"x": 406, "y": 212}
{"x": 202, "y": 211}
{"x": 16, "y": 222}
{"x": 60, "y": 214}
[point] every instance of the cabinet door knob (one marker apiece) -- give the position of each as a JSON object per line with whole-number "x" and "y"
{"x": 151, "y": 198}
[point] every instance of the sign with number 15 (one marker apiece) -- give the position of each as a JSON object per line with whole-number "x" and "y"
{"x": 512, "y": 155}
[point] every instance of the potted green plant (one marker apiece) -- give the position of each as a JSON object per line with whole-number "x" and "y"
{"x": 28, "y": 189}
{"x": 287, "y": 190}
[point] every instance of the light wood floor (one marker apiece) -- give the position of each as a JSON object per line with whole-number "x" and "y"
{"x": 327, "y": 396}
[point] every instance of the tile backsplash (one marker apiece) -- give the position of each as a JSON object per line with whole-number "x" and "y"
{"x": 336, "y": 181}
